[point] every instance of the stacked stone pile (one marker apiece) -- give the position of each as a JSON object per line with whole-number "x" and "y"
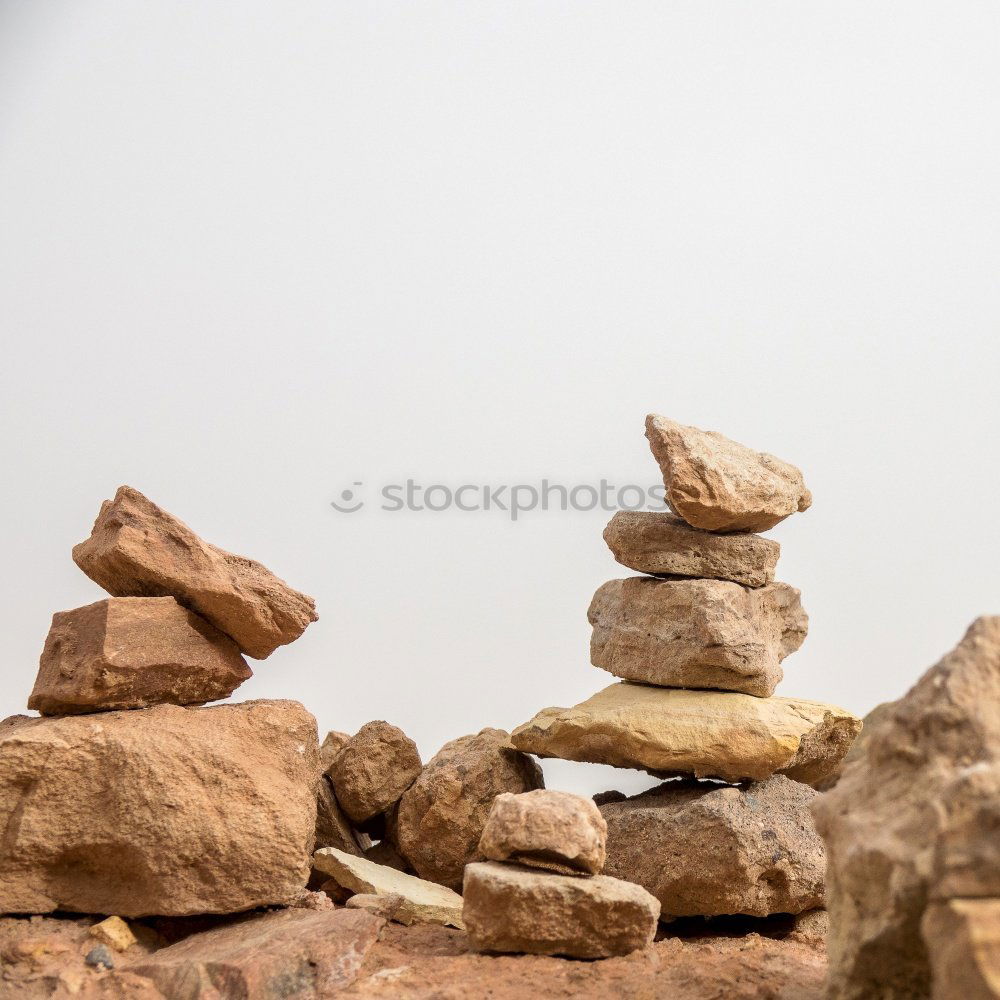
{"x": 698, "y": 643}
{"x": 123, "y": 797}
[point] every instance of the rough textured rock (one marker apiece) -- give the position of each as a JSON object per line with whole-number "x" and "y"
{"x": 882, "y": 820}
{"x": 332, "y": 744}
{"x": 384, "y": 853}
{"x": 129, "y": 652}
{"x": 546, "y": 829}
{"x": 706, "y": 850}
{"x": 113, "y": 932}
{"x": 138, "y": 550}
{"x": 664, "y": 545}
{"x": 332, "y": 827}
{"x": 510, "y": 908}
{"x": 300, "y": 953}
{"x": 707, "y": 734}
{"x": 442, "y": 814}
{"x": 715, "y": 484}
{"x": 423, "y": 902}
{"x": 696, "y": 633}
{"x": 167, "y": 810}
{"x": 384, "y": 906}
{"x": 373, "y": 769}
{"x": 859, "y": 747}
{"x": 962, "y": 937}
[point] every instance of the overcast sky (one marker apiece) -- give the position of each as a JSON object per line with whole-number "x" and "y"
{"x": 254, "y": 254}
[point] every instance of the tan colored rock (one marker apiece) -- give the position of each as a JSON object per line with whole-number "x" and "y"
{"x": 708, "y": 734}
{"x": 860, "y": 745}
{"x": 962, "y": 937}
{"x": 130, "y": 652}
{"x": 166, "y": 811}
{"x": 708, "y": 850}
{"x": 136, "y": 549}
{"x": 333, "y": 829}
{"x": 715, "y": 484}
{"x": 113, "y": 932}
{"x": 664, "y": 545}
{"x": 373, "y": 769}
{"x": 696, "y": 633}
{"x": 510, "y": 908}
{"x": 423, "y": 902}
{"x": 555, "y": 831}
{"x": 290, "y": 953}
{"x": 882, "y": 822}
{"x": 386, "y": 906}
{"x": 332, "y": 744}
{"x": 441, "y": 816}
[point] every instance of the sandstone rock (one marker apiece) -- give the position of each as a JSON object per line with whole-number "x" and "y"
{"x": 664, "y": 545}
{"x": 167, "y": 810}
{"x": 696, "y": 633}
{"x": 138, "y": 550}
{"x": 882, "y": 819}
{"x": 332, "y": 744}
{"x": 859, "y": 747}
{"x": 510, "y": 908}
{"x": 300, "y": 953}
{"x": 129, "y": 652}
{"x": 442, "y": 814}
{"x": 385, "y": 853}
{"x": 373, "y": 769}
{"x": 113, "y": 932}
{"x": 715, "y": 484}
{"x": 386, "y": 906}
{"x": 423, "y": 902}
{"x": 332, "y": 827}
{"x": 708, "y": 734}
{"x": 706, "y": 850}
{"x": 545, "y": 829}
{"x": 962, "y": 937}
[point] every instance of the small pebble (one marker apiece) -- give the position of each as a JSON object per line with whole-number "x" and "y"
{"x": 100, "y": 956}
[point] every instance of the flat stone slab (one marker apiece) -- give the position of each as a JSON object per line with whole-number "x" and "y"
{"x": 706, "y": 734}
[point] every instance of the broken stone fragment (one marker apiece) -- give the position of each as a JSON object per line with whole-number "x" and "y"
{"x": 664, "y": 545}
{"x": 373, "y": 769}
{"x": 113, "y": 932}
{"x": 187, "y": 810}
{"x": 696, "y": 633}
{"x": 962, "y": 938}
{"x": 332, "y": 744}
{"x": 423, "y": 902}
{"x": 442, "y": 814}
{"x": 510, "y": 908}
{"x": 138, "y": 550}
{"x": 715, "y": 484}
{"x": 671, "y": 732}
{"x": 333, "y": 829}
{"x": 709, "y": 850}
{"x": 386, "y": 906}
{"x": 130, "y": 652}
{"x": 546, "y": 829}
{"x": 900, "y": 825}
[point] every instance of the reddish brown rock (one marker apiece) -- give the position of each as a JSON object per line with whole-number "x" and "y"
{"x": 442, "y": 814}
{"x": 130, "y": 652}
{"x": 715, "y": 484}
{"x": 384, "y": 853}
{"x": 332, "y": 744}
{"x": 373, "y": 769}
{"x": 167, "y": 810}
{"x": 138, "y": 550}
{"x": 291, "y": 953}
{"x": 510, "y": 908}
{"x": 696, "y": 633}
{"x": 706, "y": 850}
{"x": 546, "y": 829}
{"x": 664, "y": 545}
{"x": 333, "y": 829}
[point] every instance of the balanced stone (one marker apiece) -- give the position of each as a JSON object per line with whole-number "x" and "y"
{"x": 662, "y": 544}
{"x": 510, "y": 908}
{"x": 138, "y": 550}
{"x": 696, "y": 633}
{"x": 546, "y": 829}
{"x": 715, "y": 484}
{"x": 705, "y": 734}
{"x": 709, "y": 850}
{"x": 129, "y": 652}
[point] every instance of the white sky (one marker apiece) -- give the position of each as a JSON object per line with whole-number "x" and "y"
{"x": 251, "y": 253}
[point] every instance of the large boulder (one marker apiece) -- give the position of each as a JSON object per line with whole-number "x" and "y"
{"x": 696, "y": 633}
{"x": 166, "y": 810}
{"x": 706, "y": 734}
{"x": 900, "y": 825}
{"x": 718, "y": 485}
{"x": 129, "y": 652}
{"x": 962, "y": 937}
{"x": 136, "y": 549}
{"x": 441, "y": 816}
{"x": 710, "y": 850}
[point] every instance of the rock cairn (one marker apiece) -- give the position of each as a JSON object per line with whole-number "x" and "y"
{"x": 125, "y": 798}
{"x": 698, "y": 643}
